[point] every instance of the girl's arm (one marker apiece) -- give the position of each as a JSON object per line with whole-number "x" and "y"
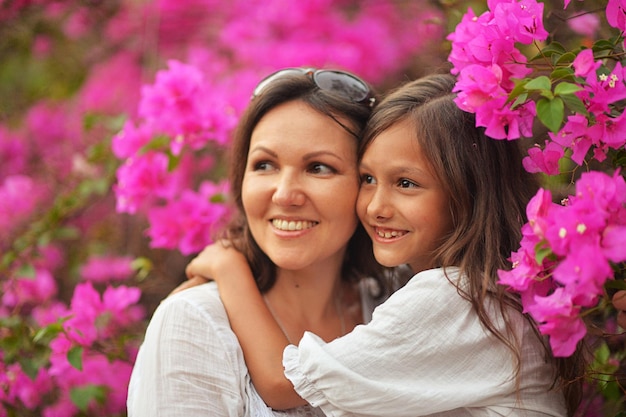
{"x": 251, "y": 321}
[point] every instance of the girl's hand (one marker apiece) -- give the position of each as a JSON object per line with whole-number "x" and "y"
{"x": 191, "y": 282}
{"x": 212, "y": 264}
{"x": 215, "y": 262}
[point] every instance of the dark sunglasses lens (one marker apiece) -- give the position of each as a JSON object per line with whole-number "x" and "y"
{"x": 343, "y": 84}
{"x": 278, "y": 74}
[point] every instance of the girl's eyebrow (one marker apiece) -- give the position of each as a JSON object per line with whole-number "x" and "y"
{"x": 398, "y": 170}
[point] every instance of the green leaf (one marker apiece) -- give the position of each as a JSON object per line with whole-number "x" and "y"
{"x": 75, "y": 357}
{"x": 602, "y": 45}
{"x": 82, "y": 396}
{"x": 218, "y": 198}
{"x": 157, "y": 143}
{"x": 566, "y": 88}
{"x": 540, "y": 83}
{"x": 519, "y": 88}
{"x": 566, "y": 58}
{"x": 549, "y": 50}
{"x": 616, "y": 284}
{"x": 542, "y": 251}
{"x": 26, "y": 271}
{"x": 562, "y": 73}
{"x": 172, "y": 161}
{"x": 574, "y": 103}
{"x": 29, "y": 367}
{"x": 551, "y": 112}
{"x": 46, "y": 334}
{"x": 522, "y": 98}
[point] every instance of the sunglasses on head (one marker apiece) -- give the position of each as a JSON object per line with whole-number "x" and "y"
{"x": 339, "y": 82}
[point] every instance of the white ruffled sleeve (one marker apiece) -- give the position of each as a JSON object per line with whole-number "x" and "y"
{"x": 423, "y": 352}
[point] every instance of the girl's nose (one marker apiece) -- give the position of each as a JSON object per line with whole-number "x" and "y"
{"x": 379, "y": 206}
{"x": 289, "y": 191}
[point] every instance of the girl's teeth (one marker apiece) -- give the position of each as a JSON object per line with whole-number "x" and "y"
{"x": 388, "y": 234}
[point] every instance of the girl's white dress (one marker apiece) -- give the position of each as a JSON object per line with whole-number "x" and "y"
{"x": 424, "y": 353}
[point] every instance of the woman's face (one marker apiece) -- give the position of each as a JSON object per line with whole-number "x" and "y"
{"x": 401, "y": 204}
{"x": 300, "y": 187}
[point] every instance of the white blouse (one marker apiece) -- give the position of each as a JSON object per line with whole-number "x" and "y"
{"x": 424, "y": 353}
{"x": 191, "y": 364}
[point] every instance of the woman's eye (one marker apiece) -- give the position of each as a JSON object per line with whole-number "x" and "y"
{"x": 321, "y": 169}
{"x": 262, "y": 166}
{"x": 404, "y": 183}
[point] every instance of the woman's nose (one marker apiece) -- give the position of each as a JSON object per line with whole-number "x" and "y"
{"x": 289, "y": 191}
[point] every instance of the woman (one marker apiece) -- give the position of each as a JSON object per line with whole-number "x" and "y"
{"x": 439, "y": 196}
{"x": 294, "y": 181}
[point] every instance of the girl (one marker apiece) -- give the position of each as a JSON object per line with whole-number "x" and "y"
{"x": 437, "y": 195}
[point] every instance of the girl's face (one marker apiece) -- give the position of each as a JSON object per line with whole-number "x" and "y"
{"x": 401, "y": 203}
{"x": 300, "y": 186}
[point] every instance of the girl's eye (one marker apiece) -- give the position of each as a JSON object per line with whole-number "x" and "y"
{"x": 322, "y": 169}
{"x": 404, "y": 183}
{"x": 367, "y": 179}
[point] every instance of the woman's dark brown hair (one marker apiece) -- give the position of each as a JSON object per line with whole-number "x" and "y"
{"x": 488, "y": 190}
{"x": 359, "y": 259}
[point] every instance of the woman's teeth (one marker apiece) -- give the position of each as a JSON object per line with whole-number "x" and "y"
{"x": 292, "y": 225}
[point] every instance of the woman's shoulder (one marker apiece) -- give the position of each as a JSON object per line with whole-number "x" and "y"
{"x": 202, "y": 301}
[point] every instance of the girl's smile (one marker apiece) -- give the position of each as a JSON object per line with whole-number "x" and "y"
{"x": 402, "y": 204}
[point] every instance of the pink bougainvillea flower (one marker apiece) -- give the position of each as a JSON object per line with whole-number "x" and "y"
{"x": 187, "y": 222}
{"x": 22, "y": 389}
{"x": 142, "y": 178}
{"x": 538, "y": 211}
{"x": 544, "y": 160}
{"x": 614, "y": 242}
{"x": 93, "y": 316}
{"x": 603, "y": 89}
{"x": 131, "y": 139}
{"x": 609, "y": 132}
{"x": 502, "y": 122}
{"x": 107, "y": 268}
{"x": 584, "y": 276}
{"x": 29, "y": 290}
{"x": 575, "y": 135}
{"x": 51, "y": 312}
{"x": 585, "y": 24}
{"x": 477, "y": 85}
{"x": 616, "y": 14}
{"x": 559, "y": 319}
{"x": 96, "y": 371}
{"x": 19, "y": 198}
{"x": 520, "y": 20}
{"x": 584, "y": 64}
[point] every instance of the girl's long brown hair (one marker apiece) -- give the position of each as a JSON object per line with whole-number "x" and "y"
{"x": 488, "y": 189}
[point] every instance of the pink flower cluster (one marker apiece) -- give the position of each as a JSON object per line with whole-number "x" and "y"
{"x": 566, "y": 255}
{"x": 601, "y": 129}
{"x": 486, "y": 59}
{"x": 487, "y": 62}
{"x": 93, "y": 322}
{"x": 176, "y": 110}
